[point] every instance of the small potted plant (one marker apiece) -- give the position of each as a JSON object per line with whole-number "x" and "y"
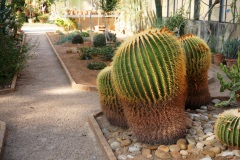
{"x": 218, "y": 57}
{"x": 43, "y": 18}
{"x": 230, "y": 51}
{"x": 232, "y": 83}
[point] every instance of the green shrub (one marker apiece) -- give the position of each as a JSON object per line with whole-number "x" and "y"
{"x": 107, "y": 52}
{"x": 231, "y": 48}
{"x": 99, "y": 40}
{"x": 84, "y": 34}
{"x": 84, "y": 53}
{"x": 96, "y": 65}
{"x": 12, "y": 58}
{"x": 59, "y": 32}
{"x": 67, "y": 38}
{"x": 66, "y": 23}
{"x": 77, "y": 39}
{"x": 94, "y": 51}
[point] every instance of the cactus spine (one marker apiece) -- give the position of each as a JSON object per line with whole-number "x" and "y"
{"x": 149, "y": 77}
{"x": 227, "y": 128}
{"x": 198, "y": 61}
{"x": 110, "y": 104}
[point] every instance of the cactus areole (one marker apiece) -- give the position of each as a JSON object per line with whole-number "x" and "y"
{"x": 198, "y": 61}
{"x": 111, "y": 106}
{"x": 227, "y": 128}
{"x": 149, "y": 76}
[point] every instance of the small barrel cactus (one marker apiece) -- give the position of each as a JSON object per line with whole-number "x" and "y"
{"x": 110, "y": 104}
{"x": 99, "y": 40}
{"x": 149, "y": 76}
{"x": 78, "y": 39}
{"x": 227, "y": 128}
{"x": 198, "y": 61}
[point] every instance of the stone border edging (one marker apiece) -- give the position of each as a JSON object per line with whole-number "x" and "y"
{"x": 71, "y": 81}
{"x": 100, "y": 137}
{"x": 3, "y": 134}
{"x": 12, "y": 88}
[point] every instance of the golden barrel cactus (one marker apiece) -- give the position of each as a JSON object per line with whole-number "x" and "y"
{"x": 198, "y": 61}
{"x": 149, "y": 76}
{"x": 227, "y": 128}
{"x": 111, "y": 106}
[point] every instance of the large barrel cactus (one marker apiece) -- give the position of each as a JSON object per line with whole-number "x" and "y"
{"x": 110, "y": 104}
{"x": 198, "y": 61}
{"x": 149, "y": 76}
{"x": 227, "y": 128}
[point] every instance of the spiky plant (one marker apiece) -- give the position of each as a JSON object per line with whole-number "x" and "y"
{"x": 149, "y": 76}
{"x": 110, "y": 103}
{"x": 198, "y": 61}
{"x": 227, "y": 128}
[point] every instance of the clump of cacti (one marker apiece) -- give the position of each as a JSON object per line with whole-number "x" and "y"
{"x": 111, "y": 106}
{"x": 227, "y": 128}
{"x": 198, "y": 61}
{"x": 232, "y": 83}
{"x": 99, "y": 40}
{"x": 149, "y": 76}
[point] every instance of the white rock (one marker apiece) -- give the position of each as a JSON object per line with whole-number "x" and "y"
{"x": 192, "y": 131}
{"x": 122, "y": 157}
{"x": 203, "y": 107}
{"x": 215, "y": 116}
{"x": 193, "y": 115}
{"x": 196, "y": 123}
{"x": 200, "y": 145}
{"x": 209, "y": 134}
{"x": 208, "y": 130}
{"x": 206, "y": 158}
{"x": 105, "y": 131}
{"x": 226, "y": 153}
{"x": 204, "y": 118}
{"x": 201, "y": 111}
{"x": 137, "y": 145}
{"x": 211, "y": 137}
{"x": 115, "y": 145}
{"x": 133, "y": 149}
{"x": 130, "y": 156}
{"x": 183, "y": 152}
{"x": 236, "y": 153}
{"x": 214, "y": 101}
{"x": 206, "y": 126}
{"x": 190, "y": 139}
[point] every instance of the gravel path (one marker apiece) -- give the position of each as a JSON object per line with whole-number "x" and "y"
{"x": 46, "y": 119}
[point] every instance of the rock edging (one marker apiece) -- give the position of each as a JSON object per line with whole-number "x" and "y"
{"x": 100, "y": 137}
{"x": 12, "y": 88}
{"x": 71, "y": 80}
{"x": 2, "y": 137}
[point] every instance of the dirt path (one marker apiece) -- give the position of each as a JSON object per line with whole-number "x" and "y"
{"x": 46, "y": 119}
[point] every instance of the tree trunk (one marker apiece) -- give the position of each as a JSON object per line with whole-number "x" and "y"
{"x": 158, "y": 5}
{"x": 196, "y": 9}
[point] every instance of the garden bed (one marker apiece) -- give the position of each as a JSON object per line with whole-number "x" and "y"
{"x": 199, "y": 142}
{"x": 77, "y": 68}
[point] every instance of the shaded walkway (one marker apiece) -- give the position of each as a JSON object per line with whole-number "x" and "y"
{"x": 46, "y": 119}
